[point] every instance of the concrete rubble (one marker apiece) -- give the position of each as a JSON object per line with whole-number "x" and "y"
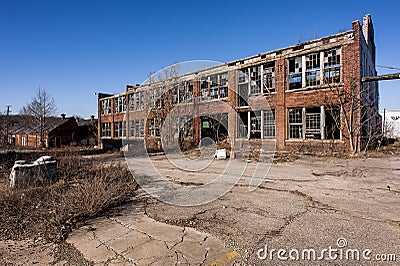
{"x": 25, "y": 174}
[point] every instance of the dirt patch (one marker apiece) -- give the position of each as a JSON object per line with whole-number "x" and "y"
{"x": 29, "y": 251}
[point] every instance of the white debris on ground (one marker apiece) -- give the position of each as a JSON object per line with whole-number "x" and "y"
{"x": 24, "y": 174}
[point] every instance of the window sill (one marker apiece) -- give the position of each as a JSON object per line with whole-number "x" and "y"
{"x": 262, "y": 94}
{"x": 183, "y": 103}
{"x": 314, "y": 140}
{"x": 212, "y": 100}
{"x": 264, "y": 139}
{"x": 318, "y": 87}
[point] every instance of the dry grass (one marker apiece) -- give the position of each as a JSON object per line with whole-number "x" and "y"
{"x": 83, "y": 190}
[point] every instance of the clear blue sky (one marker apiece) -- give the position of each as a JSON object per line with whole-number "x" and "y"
{"x": 76, "y": 48}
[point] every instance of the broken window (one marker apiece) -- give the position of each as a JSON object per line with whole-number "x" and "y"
{"x": 255, "y": 125}
{"x": 332, "y": 65}
{"x": 152, "y": 97}
{"x": 269, "y": 78}
{"x": 132, "y": 102}
{"x": 243, "y": 95}
{"x": 116, "y": 102}
{"x": 313, "y": 69}
{"x": 186, "y": 91}
{"x": 119, "y": 129}
{"x": 136, "y": 101}
{"x": 156, "y": 98}
{"x": 160, "y": 100}
{"x": 137, "y": 128}
{"x": 223, "y": 85}
{"x": 140, "y": 105}
{"x": 243, "y": 124}
{"x": 269, "y": 124}
{"x": 204, "y": 89}
{"x": 119, "y": 104}
{"x": 174, "y": 94}
{"x": 123, "y": 103}
{"x": 243, "y": 78}
{"x": 255, "y": 77}
{"x": 105, "y": 107}
{"x": 106, "y": 129}
{"x": 213, "y": 86}
{"x": 313, "y": 123}
{"x": 333, "y": 122}
{"x": 295, "y": 123}
{"x": 185, "y": 126}
{"x": 295, "y": 73}
{"x": 243, "y": 88}
{"x": 154, "y": 126}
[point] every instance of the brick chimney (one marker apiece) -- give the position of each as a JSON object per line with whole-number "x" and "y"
{"x": 63, "y": 116}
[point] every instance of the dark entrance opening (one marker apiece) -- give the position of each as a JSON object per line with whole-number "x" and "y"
{"x": 214, "y": 126}
{"x": 57, "y": 141}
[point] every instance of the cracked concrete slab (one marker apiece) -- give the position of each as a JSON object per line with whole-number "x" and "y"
{"x": 145, "y": 242}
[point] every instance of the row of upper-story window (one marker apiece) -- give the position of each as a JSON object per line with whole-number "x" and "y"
{"x": 212, "y": 87}
{"x": 303, "y": 71}
{"x": 315, "y": 69}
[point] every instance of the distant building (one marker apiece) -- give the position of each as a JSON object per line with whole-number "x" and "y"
{"x": 24, "y": 131}
{"x": 391, "y": 123}
{"x": 87, "y": 129}
{"x": 298, "y": 82}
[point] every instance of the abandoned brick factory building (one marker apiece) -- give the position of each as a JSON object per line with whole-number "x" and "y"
{"x": 316, "y": 99}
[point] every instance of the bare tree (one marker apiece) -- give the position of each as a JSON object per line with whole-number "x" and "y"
{"x": 356, "y": 114}
{"x": 348, "y": 100}
{"x": 162, "y": 85}
{"x": 39, "y": 108}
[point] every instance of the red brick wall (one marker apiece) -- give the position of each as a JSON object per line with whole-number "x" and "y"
{"x": 280, "y": 104}
{"x": 279, "y": 101}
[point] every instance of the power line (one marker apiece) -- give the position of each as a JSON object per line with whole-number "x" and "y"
{"x": 389, "y": 67}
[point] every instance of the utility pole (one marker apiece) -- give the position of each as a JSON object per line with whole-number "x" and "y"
{"x": 7, "y": 122}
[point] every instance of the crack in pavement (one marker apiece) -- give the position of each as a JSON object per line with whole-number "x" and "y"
{"x": 205, "y": 257}
{"x": 117, "y": 255}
